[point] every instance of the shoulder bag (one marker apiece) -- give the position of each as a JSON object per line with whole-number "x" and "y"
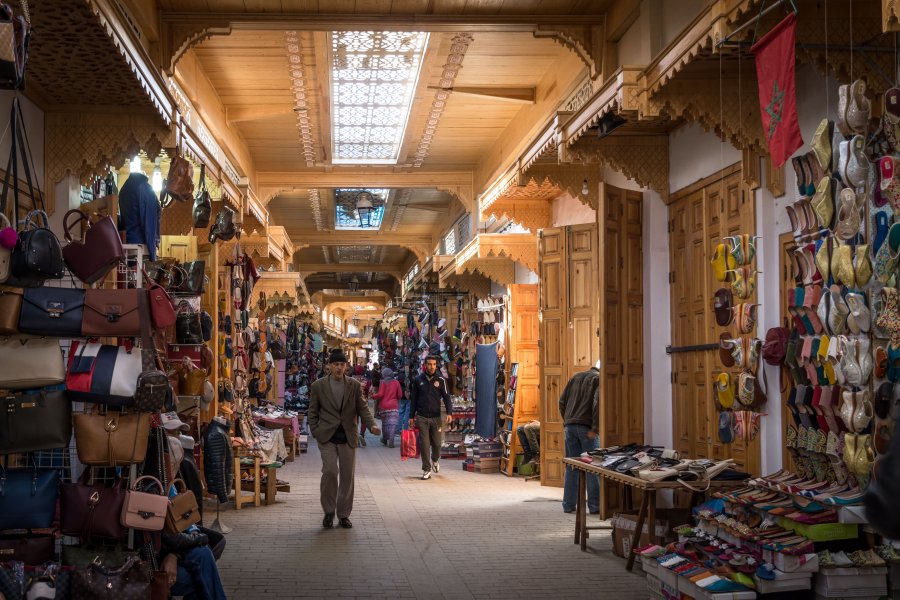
{"x": 37, "y": 255}
{"x": 195, "y": 275}
{"x": 35, "y": 420}
{"x": 14, "y": 36}
{"x": 187, "y": 325}
{"x": 50, "y": 311}
{"x": 31, "y": 549}
{"x": 28, "y": 497}
{"x": 97, "y": 253}
{"x": 114, "y": 439}
{"x": 113, "y": 313}
{"x": 179, "y": 183}
{"x": 30, "y": 363}
{"x": 145, "y": 511}
{"x": 89, "y": 511}
{"x": 103, "y": 374}
{"x": 153, "y": 391}
{"x": 202, "y": 203}
{"x": 96, "y": 582}
{"x": 161, "y": 309}
{"x": 182, "y": 511}
{"x": 10, "y": 308}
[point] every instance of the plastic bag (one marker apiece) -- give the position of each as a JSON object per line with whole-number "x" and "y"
{"x": 409, "y": 447}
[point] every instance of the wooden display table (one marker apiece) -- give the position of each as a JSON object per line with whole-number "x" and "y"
{"x": 648, "y": 502}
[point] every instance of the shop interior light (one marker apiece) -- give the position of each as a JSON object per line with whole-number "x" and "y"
{"x": 156, "y": 181}
{"x": 585, "y": 190}
{"x": 364, "y": 208}
{"x": 135, "y": 165}
{"x": 353, "y": 284}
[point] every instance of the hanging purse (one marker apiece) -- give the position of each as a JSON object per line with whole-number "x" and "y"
{"x": 30, "y": 363}
{"x": 35, "y": 420}
{"x": 97, "y": 253}
{"x": 89, "y": 511}
{"x": 32, "y": 549}
{"x": 145, "y": 511}
{"x": 28, "y": 497}
{"x": 195, "y": 274}
{"x": 97, "y": 582}
{"x": 113, "y": 313}
{"x": 103, "y": 374}
{"x": 182, "y": 511}
{"x": 161, "y": 309}
{"x": 190, "y": 379}
{"x": 37, "y": 255}
{"x": 187, "y": 325}
{"x": 14, "y": 36}
{"x": 153, "y": 391}
{"x": 113, "y": 439}
{"x": 223, "y": 228}
{"x": 56, "y": 312}
{"x": 10, "y": 308}
{"x": 179, "y": 183}
{"x": 202, "y": 203}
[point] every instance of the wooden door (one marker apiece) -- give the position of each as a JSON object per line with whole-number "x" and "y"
{"x": 523, "y": 350}
{"x": 700, "y": 217}
{"x": 182, "y": 247}
{"x": 583, "y": 297}
{"x": 553, "y": 350}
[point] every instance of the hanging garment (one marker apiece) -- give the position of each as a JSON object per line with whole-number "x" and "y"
{"x": 486, "y": 390}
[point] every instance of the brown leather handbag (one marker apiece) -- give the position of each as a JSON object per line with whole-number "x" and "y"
{"x": 190, "y": 379}
{"x": 180, "y": 182}
{"x": 91, "y": 510}
{"x": 113, "y": 439}
{"x": 97, "y": 253}
{"x": 10, "y": 307}
{"x": 131, "y": 581}
{"x": 183, "y": 510}
{"x": 113, "y": 313}
{"x": 30, "y": 549}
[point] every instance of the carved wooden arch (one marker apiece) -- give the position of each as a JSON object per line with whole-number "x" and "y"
{"x": 176, "y": 38}
{"x": 569, "y": 178}
{"x": 528, "y": 205}
{"x": 586, "y": 41}
{"x": 641, "y": 158}
{"x": 375, "y": 269}
{"x": 422, "y": 252}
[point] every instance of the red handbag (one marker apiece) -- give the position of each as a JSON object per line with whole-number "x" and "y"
{"x": 99, "y": 251}
{"x": 162, "y": 312}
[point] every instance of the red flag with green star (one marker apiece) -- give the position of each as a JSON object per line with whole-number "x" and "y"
{"x": 774, "y": 55}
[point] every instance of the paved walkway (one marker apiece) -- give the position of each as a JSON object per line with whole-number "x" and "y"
{"x": 458, "y": 536}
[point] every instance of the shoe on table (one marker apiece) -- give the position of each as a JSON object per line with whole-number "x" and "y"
{"x": 328, "y": 521}
{"x": 345, "y": 523}
{"x": 436, "y": 467}
{"x": 426, "y": 475}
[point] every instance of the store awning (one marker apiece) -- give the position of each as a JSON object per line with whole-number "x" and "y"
{"x": 493, "y": 255}
{"x": 528, "y": 204}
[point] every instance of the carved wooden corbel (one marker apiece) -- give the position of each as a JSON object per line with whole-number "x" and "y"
{"x": 586, "y": 41}
{"x": 177, "y": 37}
{"x": 642, "y": 158}
{"x": 571, "y": 178}
{"x": 528, "y": 205}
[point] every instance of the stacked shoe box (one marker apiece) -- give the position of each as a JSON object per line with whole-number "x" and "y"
{"x": 651, "y": 569}
{"x": 851, "y": 582}
{"x": 487, "y": 456}
{"x": 784, "y": 582}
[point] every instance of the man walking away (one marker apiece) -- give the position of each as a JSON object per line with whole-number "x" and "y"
{"x": 336, "y": 404}
{"x": 429, "y": 390}
{"x": 579, "y": 407}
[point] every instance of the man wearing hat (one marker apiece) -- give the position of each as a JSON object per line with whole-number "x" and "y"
{"x": 336, "y": 404}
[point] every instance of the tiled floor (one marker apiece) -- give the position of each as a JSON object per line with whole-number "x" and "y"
{"x": 459, "y": 535}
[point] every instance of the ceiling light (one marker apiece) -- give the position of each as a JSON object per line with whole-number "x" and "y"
{"x": 135, "y": 166}
{"x": 353, "y": 285}
{"x": 364, "y": 209}
{"x": 156, "y": 181}
{"x": 585, "y": 190}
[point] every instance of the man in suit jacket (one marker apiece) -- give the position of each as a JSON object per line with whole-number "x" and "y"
{"x": 335, "y": 405}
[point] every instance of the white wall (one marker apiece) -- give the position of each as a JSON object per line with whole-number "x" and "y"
{"x": 567, "y": 210}
{"x": 525, "y": 275}
{"x": 695, "y": 153}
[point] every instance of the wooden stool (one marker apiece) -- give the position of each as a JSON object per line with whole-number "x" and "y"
{"x": 241, "y": 486}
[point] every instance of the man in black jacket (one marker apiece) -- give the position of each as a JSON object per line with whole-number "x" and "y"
{"x": 579, "y": 407}
{"x": 429, "y": 390}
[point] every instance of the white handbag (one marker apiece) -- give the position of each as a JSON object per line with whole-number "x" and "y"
{"x": 103, "y": 374}
{"x": 4, "y": 252}
{"x": 30, "y": 362}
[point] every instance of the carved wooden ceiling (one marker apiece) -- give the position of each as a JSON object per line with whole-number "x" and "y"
{"x": 395, "y": 7}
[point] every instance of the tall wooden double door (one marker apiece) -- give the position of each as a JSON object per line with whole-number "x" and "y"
{"x": 700, "y": 216}
{"x": 591, "y": 283}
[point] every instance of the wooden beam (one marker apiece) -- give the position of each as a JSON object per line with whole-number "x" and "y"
{"x": 235, "y": 114}
{"x": 362, "y": 238}
{"x": 362, "y": 176}
{"x": 515, "y": 95}
{"x": 309, "y": 269}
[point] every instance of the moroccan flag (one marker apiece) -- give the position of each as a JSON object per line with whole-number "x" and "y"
{"x": 777, "y": 94}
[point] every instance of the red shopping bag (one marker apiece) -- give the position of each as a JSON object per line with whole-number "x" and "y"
{"x": 409, "y": 447}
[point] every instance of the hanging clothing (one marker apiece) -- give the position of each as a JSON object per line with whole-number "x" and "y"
{"x": 486, "y": 390}
{"x": 140, "y": 213}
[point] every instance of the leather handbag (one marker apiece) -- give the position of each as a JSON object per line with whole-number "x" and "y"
{"x": 180, "y": 181}
{"x": 113, "y": 439}
{"x": 145, "y": 511}
{"x": 224, "y": 227}
{"x": 190, "y": 380}
{"x": 182, "y": 511}
{"x": 103, "y": 374}
{"x": 153, "y": 391}
{"x": 37, "y": 255}
{"x": 5, "y": 252}
{"x": 10, "y": 307}
{"x": 206, "y": 325}
{"x": 113, "y": 313}
{"x": 97, "y": 253}
{"x": 55, "y": 312}
{"x": 14, "y": 35}
{"x": 31, "y": 549}
{"x": 83, "y": 556}
{"x": 131, "y": 581}
{"x": 161, "y": 309}
{"x": 175, "y": 353}
{"x": 195, "y": 274}
{"x": 28, "y": 497}
{"x": 187, "y": 325}
{"x": 30, "y": 363}
{"x": 202, "y": 203}
{"x": 89, "y": 511}
{"x": 35, "y": 420}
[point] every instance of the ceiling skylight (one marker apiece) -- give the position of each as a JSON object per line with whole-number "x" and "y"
{"x": 373, "y": 79}
{"x": 347, "y": 214}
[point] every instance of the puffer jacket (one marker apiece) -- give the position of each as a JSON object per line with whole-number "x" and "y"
{"x": 217, "y": 461}
{"x": 580, "y": 401}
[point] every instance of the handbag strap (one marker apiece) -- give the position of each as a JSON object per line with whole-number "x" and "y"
{"x": 67, "y": 226}
{"x": 11, "y": 179}
{"x": 202, "y": 185}
{"x": 148, "y": 348}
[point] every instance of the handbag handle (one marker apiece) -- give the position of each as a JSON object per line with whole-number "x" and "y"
{"x": 185, "y": 304}
{"x": 202, "y": 185}
{"x": 30, "y": 217}
{"x": 67, "y": 226}
{"x": 184, "y": 487}
{"x": 151, "y": 478}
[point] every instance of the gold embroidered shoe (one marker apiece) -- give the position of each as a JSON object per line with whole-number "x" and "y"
{"x": 848, "y": 217}
{"x": 821, "y": 144}
{"x": 823, "y": 203}
{"x": 858, "y": 107}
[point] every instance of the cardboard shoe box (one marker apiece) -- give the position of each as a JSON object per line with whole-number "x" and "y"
{"x": 623, "y": 532}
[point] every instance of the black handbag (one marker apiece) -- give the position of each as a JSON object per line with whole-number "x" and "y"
{"x": 195, "y": 274}
{"x": 202, "y": 203}
{"x": 55, "y": 312}
{"x": 35, "y": 420}
{"x": 206, "y": 325}
{"x": 187, "y": 325}
{"x": 28, "y": 497}
{"x": 37, "y": 255}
